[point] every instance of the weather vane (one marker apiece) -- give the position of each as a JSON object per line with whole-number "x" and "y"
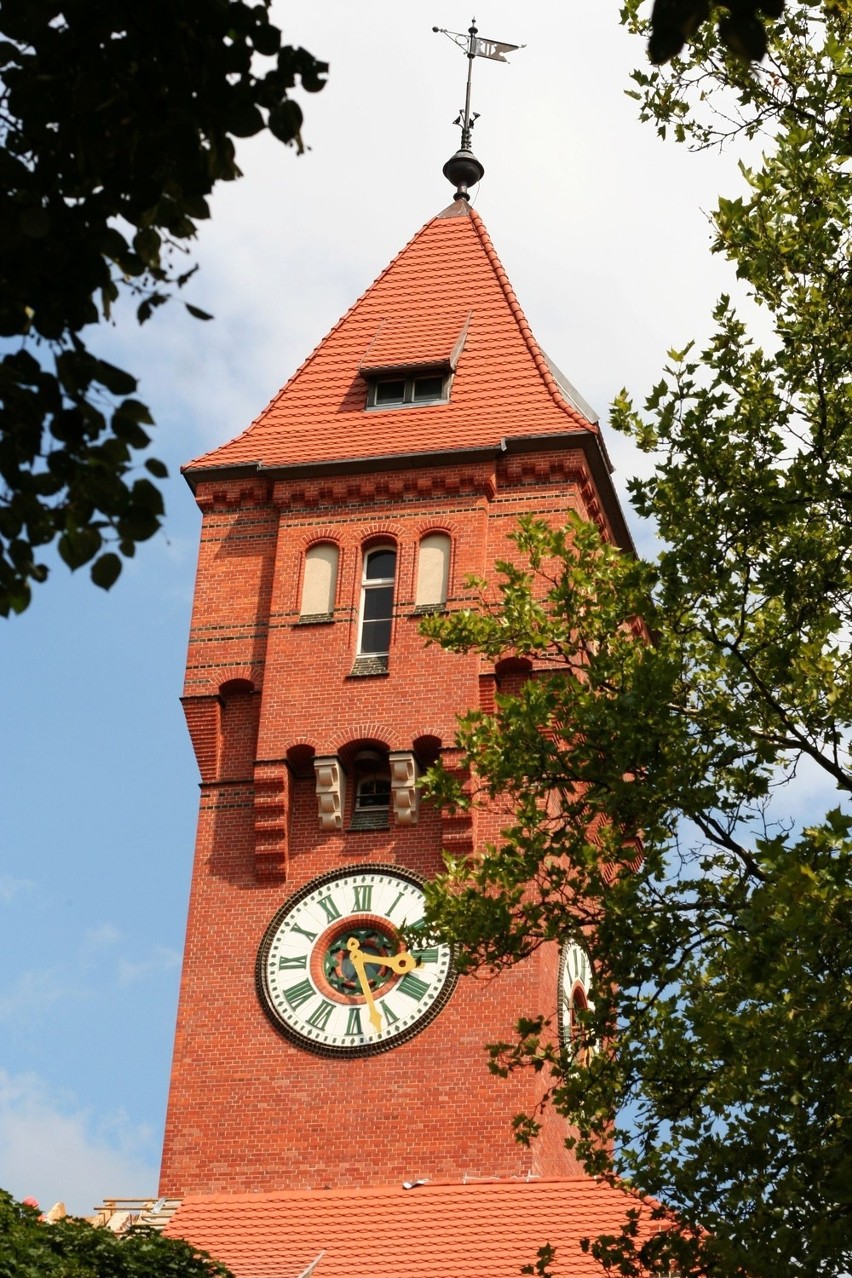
{"x": 463, "y": 169}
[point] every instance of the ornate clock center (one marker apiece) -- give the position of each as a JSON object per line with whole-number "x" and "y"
{"x": 335, "y": 968}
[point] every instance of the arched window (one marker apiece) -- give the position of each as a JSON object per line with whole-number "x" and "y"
{"x": 371, "y": 809}
{"x": 373, "y": 792}
{"x": 433, "y": 571}
{"x": 377, "y": 583}
{"x": 320, "y": 582}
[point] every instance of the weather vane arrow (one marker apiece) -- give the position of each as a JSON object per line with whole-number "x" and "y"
{"x": 463, "y": 168}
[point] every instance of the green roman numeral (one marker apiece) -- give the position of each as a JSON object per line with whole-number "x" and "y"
{"x": 353, "y": 1025}
{"x": 319, "y": 1016}
{"x": 429, "y": 955}
{"x": 363, "y": 896}
{"x": 299, "y": 994}
{"x": 395, "y": 904}
{"x": 289, "y": 961}
{"x": 389, "y": 1014}
{"x": 413, "y": 986}
{"x": 331, "y": 910}
{"x": 311, "y": 936}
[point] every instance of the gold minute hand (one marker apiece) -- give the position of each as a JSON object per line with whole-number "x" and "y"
{"x": 358, "y": 959}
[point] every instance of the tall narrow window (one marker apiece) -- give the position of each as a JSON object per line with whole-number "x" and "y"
{"x": 377, "y": 585}
{"x": 433, "y": 571}
{"x": 320, "y": 580}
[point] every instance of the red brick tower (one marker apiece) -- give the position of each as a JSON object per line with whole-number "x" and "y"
{"x": 312, "y": 1049}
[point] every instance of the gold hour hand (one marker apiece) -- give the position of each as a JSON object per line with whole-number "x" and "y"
{"x": 400, "y": 963}
{"x": 358, "y": 959}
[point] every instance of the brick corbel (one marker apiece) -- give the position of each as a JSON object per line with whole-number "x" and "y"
{"x": 331, "y": 792}
{"x": 406, "y": 798}
{"x": 458, "y": 832}
{"x": 272, "y": 782}
{"x": 203, "y": 720}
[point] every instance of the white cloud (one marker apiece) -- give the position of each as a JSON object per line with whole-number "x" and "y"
{"x": 31, "y": 994}
{"x": 161, "y": 959}
{"x": 53, "y": 1150}
{"x": 101, "y": 937}
{"x": 10, "y": 888}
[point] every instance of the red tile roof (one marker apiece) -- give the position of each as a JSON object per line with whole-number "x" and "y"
{"x": 476, "y": 1230}
{"x": 447, "y": 276}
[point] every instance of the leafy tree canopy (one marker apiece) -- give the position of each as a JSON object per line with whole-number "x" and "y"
{"x": 741, "y": 26}
{"x": 116, "y": 122}
{"x": 72, "y": 1248}
{"x": 673, "y": 704}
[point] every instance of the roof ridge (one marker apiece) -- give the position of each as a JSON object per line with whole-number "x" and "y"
{"x": 529, "y": 337}
{"x": 486, "y": 1182}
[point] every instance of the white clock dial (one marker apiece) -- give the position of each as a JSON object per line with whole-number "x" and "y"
{"x": 333, "y": 972}
{"x": 575, "y": 988}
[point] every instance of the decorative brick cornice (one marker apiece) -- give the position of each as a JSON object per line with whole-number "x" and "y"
{"x": 229, "y": 495}
{"x": 378, "y": 489}
{"x": 545, "y": 470}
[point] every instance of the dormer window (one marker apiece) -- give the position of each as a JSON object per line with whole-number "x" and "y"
{"x": 401, "y": 392}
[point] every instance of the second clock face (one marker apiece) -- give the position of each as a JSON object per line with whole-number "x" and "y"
{"x": 575, "y": 988}
{"x": 333, "y": 973}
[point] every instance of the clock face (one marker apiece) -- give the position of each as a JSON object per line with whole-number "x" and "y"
{"x": 333, "y": 973}
{"x": 575, "y": 989}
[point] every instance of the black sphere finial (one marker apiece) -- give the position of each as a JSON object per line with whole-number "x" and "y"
{"x": 464, "y": 171}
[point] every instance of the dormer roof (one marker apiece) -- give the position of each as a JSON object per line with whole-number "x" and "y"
{"x": 443, "y": 304}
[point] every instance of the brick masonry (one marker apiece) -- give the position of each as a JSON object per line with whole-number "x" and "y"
{"x": 249, "y": 1110}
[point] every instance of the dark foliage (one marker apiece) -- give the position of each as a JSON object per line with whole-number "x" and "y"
{"x": 72, "y": 1248}
{"x": 741, "y": 28}
{"x": 116, "y": 122}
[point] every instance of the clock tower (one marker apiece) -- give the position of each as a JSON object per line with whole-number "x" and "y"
{"x": 320, "y": 1045}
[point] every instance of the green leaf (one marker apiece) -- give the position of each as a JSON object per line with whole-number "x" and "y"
{"x": 35, "y": 222}
{"x": 103, "y": 165}
{"x": 285, "y": 121}
{"x": 106, "y": 570}
{"x": 78, "y": 545}
{"x": 114, "y": 379}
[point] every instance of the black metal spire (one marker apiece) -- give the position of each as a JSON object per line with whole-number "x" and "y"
{"x": 463, "y": 169}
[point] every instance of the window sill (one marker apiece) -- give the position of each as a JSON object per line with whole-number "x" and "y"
{"x": 367, "y": 821}
{"x": 393, "y": 408}
{"x": 365, "y": 667}
{"x": 428, "y": 610}
{"x": 316, "y": 619}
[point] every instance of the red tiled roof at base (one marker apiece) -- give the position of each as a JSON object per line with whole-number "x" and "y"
{"x": 483, "y": 1229}
{"x": 444, "y": 300}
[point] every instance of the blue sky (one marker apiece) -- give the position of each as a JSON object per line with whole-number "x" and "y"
{"x": 604, "y": 234}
